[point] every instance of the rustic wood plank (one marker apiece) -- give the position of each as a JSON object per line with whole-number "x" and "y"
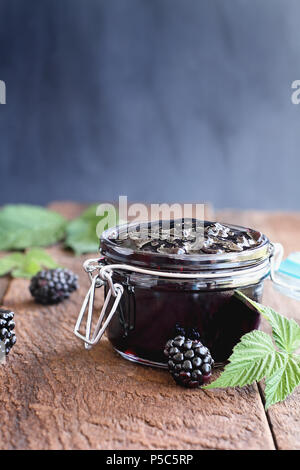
{"x": 56, "y": 395}
{"x": 284, "y": 228}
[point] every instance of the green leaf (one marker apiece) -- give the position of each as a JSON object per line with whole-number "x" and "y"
{"x": 255, "y": 357}
{"x": 286, "y": 333}
{"x": 81, "y": 232}
{"x": 27, "y": 270}
{"x": 296, "y": 358}
{"x": 26, "y": 265}
{"x": 24, "y": 226}
{"x": 41, "y": 257}
{"x": 252, "y": 359}
{"x": 8, "y": 263}
{"x": 282, "y": 382}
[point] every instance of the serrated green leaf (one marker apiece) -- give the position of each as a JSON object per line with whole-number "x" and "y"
{"x": 286, "y": 333}
{"x": 81, "y": 237}
{"x": 283, "y": 381}
{"x": 81, "y": 232}
{"x": 27, "y": 270}
{"x": 296, "y": 357}
{"x": 26, "y": 265}
{"x": 255, "y": 357}
{"x": 252, "y": 359}
{"x": 9, "y": 262}
{"x": 24, "y": 226}
{"x": 41, "y": 257}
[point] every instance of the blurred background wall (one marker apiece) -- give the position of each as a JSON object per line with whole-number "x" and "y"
{"x": 160, "y": 100}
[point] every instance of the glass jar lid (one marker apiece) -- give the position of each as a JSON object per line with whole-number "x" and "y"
{"x": 176, "y": 245}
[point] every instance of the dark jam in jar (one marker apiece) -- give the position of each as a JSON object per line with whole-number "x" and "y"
{"x": 227, "y": 257}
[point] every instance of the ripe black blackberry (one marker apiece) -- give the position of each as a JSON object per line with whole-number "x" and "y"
{"x": 7, "y": 325}
{"x": 189, "y": 362}
{"x": 53, "y": 286}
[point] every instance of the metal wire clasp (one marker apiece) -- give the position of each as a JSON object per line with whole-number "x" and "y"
{"x": 98, "y": 280}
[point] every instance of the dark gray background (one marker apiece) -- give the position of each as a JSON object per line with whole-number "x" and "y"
{"x": 160, "y": 100}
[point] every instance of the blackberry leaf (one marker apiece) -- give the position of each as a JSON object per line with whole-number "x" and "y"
{"x": 286, "y": 333}
{"x": 25, "y": 265}
{"x": 255, "y": 357}
{"x": 23, "y": 226}
{"x": 283, "y": 381}
{"x": 82, "y": 232}
{"x": 10, "y": 262}
{"x": 252, "y": 359}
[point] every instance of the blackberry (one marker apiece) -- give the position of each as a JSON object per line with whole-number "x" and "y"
{"x": 191, "y": 333}
{"x": 194, "y": 334}
{"x": 179, "y": 331}
{"x": 189, "y": 361}
{"x": 7, "y": 325}
{"x": 53, "y": 286}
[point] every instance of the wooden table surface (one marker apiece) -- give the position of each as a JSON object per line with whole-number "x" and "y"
{"x": 56, "y": 395}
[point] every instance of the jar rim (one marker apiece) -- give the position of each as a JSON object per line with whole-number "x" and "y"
{"x": 184, "y": 262}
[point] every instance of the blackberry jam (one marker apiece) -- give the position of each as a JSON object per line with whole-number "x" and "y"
{"x": 171, "y": 274}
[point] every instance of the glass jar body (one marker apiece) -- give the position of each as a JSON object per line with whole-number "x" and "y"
{"x": 151, "y": 307}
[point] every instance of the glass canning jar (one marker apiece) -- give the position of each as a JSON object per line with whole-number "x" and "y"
{"x": 147, "y": 294}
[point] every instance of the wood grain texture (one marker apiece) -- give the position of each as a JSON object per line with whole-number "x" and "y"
{"x": 56, "y": 395}
{"x": 284, "y": 228}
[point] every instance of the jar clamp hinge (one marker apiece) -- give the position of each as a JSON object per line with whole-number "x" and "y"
{"x": 115, "y": 290}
